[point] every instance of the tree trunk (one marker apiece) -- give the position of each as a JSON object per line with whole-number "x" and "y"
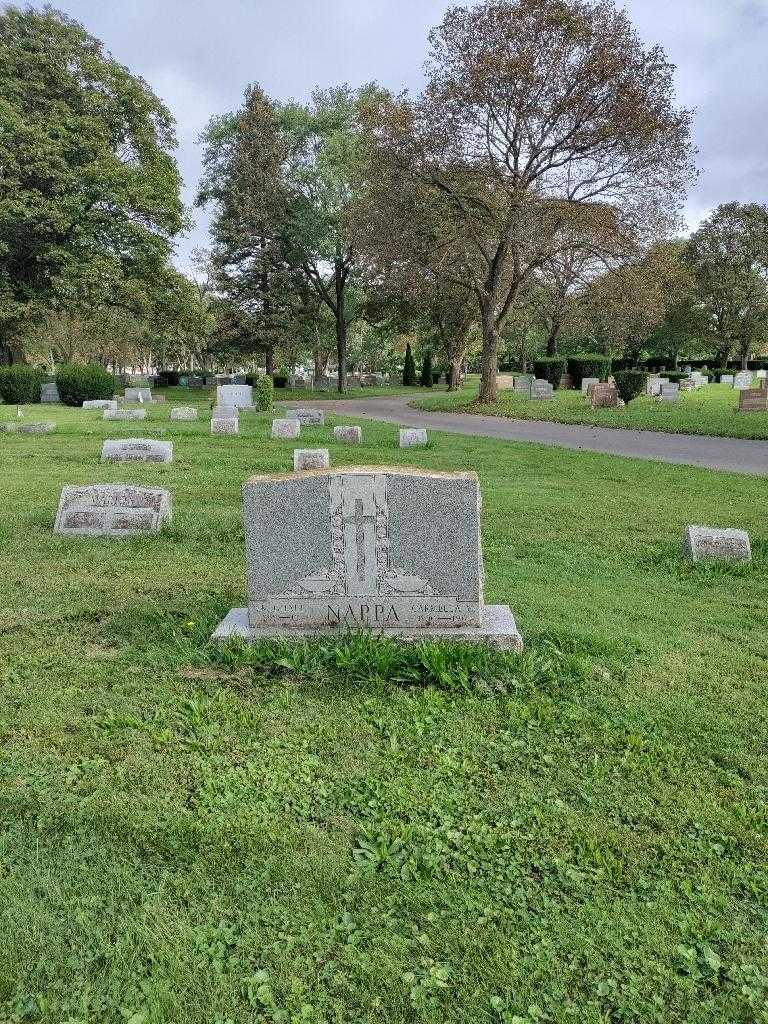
{"x": 552, "y": 339}
{"x": 489, "y": 365}
{"x": 341, "y": 329}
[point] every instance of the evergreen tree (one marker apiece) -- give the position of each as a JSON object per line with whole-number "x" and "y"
{"x": 409, "y": 368}
{"x": 426, "y": 370}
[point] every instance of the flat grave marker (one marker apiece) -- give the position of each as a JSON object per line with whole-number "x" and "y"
{"x": 708, "y": 543}
{"x": 348, "y": 434}
{"x": 310, "y": 458}
{"x": 413, "y": 437}
{"x": 136, "y": 449}
{"x": 112, "y": 510}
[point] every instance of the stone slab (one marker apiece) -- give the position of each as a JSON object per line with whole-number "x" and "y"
{"x": 125, "y": 414}
{"x": 497, "y": 629}
{"x": 184, "y": 412}
{"x": 348, "y": 434}
{"x": 112, "y": 510}
{"x": 413, "y": 437}
{"x": 239, "y": 396}
{"x": 308, "y": 417}
{"x": 311, "y": 458}
{"x": 382, "y": 546}
{"x": 708, "y": 543}
{"x": 136, "y": 449}
{"x": 37, "y": 427}
{"x": 100, "y": 403}
{"x": 225, "y": 425}
{"x": 287, "y": 430}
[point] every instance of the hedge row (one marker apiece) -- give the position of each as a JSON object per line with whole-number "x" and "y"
{"x": 20, "y": 385}
{"x": 78, "y": 384}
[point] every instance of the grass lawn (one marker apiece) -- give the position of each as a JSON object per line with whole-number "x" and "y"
{"x": 356, "y": 832}
{"x": 710, "y": 410}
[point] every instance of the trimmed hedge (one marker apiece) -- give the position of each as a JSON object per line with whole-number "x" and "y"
{"x": 630, "y": 383}
{"x": 588, "y": 364}
{"x": 20, "y": 384}
{"x": 263, "y": 392}
{"x": 550, "y": 368}
{"x": 280, "y": 381}
{"x": 78, "y": 384}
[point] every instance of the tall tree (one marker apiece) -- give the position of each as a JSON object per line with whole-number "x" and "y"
{"x": 282, "y": 178}
{"x": 536, "y": 112}
{"x": 729, "y": 258}
{"x": 89, "y": 201}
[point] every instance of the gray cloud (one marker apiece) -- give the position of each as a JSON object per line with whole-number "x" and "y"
{"x": 199, "y": 55}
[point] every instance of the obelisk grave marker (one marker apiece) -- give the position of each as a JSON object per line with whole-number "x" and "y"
{"x": 392, "y": 549}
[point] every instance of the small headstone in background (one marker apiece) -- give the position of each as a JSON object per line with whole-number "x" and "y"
{"x": 542, "y": 389}
{"x": 742, "y": 380}
{"x": 413, "y": 437}
{"x": 136, "y": 449}
{"x": 100, "y": 403}
{"x": 112, "y": 510}
{"x": 195, "y": 382}
{"x": 238, "y": 396}
{"x": 726, "y": 378}
{"x": 311, "y": 458}
{"x": 49, "y": 393}
{"x": 392, "y": 550}
{"x": 286, "y": 430}
{"x": 753, "y": 400}
{"x": 141, "y": 395}
{"x": 604, "y": 396}
{"x": 669, "y": 392}
{"x": 348, "y": 435}
{"x": 184, "y": 412}
{"x": 39, "y": 427}
{"x": 702, "y": 543}
{"x": 587, "y": 382}
{"x": 308, "y": 417}
{"x": 125, "y": 414}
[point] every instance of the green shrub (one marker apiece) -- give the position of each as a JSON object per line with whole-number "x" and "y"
{"x": 78, "y": 384}
{"x": 588, "y": 364}
{"x": 280, "y": 381}
{"x": 550, "y": 368}
{"x": 168, "y": 378}
{"x": 409, "y": 368}
{"x": 263, "y": 392}
{"x": 426, "y": 370}
{"x": 630, "y": 383}
{"x": 20, "y": 385}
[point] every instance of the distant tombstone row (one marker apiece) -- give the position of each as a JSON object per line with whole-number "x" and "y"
{"x": 393, "y": 550}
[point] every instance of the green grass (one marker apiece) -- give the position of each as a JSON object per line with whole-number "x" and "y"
{"x": 710, "y": 410}
{"x": 352, "y": 832}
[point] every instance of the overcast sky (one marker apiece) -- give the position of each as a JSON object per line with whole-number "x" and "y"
{"x": 199, "y": 55}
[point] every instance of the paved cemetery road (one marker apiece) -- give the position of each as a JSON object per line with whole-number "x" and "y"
{"x": 735, "y": 454}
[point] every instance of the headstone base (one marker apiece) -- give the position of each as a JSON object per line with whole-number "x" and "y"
{"x": 497, "y": 629}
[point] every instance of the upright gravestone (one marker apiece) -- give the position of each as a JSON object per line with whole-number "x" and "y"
{"x": 141, "y": 395}
{"x": 307, "y": 417}
{"x": 522, "y": 384}
{"x": 726, "y": 378}
{"x": 653, "y": 386}
{"x": 49, "y": 393}
{"x": 742, "y": 380}
{"x": 311, "y": 458}
{"x": 542, "y": 389}
{"x": 604, "y": 396}
{"x": 687, "y": 384}
{"x": 413, "y": 437}
{"x": 707, "y": 543}
{"x": 348, "y": 435}
{"x": 393, "y": 550}
{"x": 669, "y": 392}
{"x": 137, "y": 449}
{"x": 753, "y": 400}
{"x": 225, "y": 420}
{"x": 587, "y": 383}
{"x": 112, "y": 510}
{"x": 237, "y": 396}
{"x": 286, "y": 430}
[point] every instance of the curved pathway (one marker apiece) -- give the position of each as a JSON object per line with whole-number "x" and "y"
{"x": 729, "y": 453}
